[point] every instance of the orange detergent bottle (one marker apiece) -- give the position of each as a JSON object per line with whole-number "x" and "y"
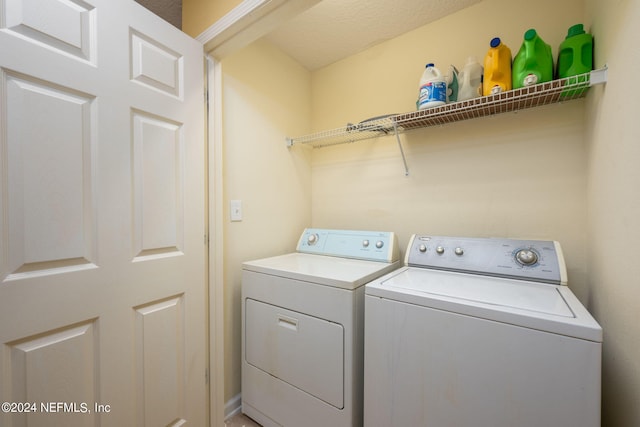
{"x": 497, "y": 68}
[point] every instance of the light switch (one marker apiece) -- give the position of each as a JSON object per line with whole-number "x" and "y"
{"x": 236, "y": 210}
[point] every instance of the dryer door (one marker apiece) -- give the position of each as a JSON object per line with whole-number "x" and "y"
{"x": 306, "y": 352}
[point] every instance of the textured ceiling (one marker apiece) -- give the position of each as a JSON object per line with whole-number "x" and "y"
{"x": 169, "y": 10}
{"x": 335, "y": 29}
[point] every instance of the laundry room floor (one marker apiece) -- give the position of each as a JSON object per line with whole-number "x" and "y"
{"x": 240, "y": 420}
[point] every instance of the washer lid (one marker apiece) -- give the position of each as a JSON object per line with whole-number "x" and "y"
{"x": 332, "y": 271}
{"x": 551, "y": 308}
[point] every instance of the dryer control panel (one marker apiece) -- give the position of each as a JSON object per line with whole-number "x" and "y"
{"x": 535, "y": 260}
{"x": 366, "y": 245}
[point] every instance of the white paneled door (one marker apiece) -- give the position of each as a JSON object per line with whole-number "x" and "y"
{"x": 102, "y": 237}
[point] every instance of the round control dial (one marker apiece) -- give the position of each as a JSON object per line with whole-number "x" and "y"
{"x": 526, "y": 257}
{"x": 312, "y": 239}
{"x": 379, "y": 244}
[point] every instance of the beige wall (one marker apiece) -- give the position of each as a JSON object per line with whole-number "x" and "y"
{"x": 515, "y": 175}
{"x": 613, "y": 138}
{"x": 567, "y": 172}
{"x": 198, "y": 15}
{"x": 265, "y": 98}
{"x": 384, "y": 78}
{"x": 518, "y": 175}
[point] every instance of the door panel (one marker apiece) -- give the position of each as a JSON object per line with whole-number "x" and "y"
{"x": 159, "y": 331}
{"x": 56, "y": 363}
{"x": 155, "y": 65}
{"x": 158, "y": 185}
{"x": 102, "y": 274}
{"x": 62, "y": 25}
{"x": 50, "y": 179}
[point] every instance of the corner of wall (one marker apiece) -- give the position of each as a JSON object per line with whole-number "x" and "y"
{"x": 198, "y": 15}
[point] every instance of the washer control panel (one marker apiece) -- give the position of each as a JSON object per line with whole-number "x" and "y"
{"x": 367, "y": 245}
{"x": 535, "y": 260}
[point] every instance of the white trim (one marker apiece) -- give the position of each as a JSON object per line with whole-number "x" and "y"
{"x": 216, "y": 258}
{"x": 561, "y": 264}
{"x": 233, "y": 406}
{"x": 244, "y": 9}
{"x": 247, "y": 22}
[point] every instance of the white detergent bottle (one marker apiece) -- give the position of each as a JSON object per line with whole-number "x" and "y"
{"x": 470, "y": 80}
{"x": 433, "y": 88}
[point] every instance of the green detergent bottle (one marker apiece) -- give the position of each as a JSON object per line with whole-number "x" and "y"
{"x": 533, "y": 63}
{"x": 575, "y": 55}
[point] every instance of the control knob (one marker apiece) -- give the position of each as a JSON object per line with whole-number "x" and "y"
{"x": 526, "y": 257}
{"x": 365, "y": 243}
{"x": 312, "y": 239}
{"x": 379, "y": 244}
{"x": 440, "y": 250}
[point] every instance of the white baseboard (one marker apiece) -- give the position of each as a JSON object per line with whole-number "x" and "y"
{"x": 233, "y": 406}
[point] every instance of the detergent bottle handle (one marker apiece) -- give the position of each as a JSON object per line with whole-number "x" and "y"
{"x": 494, "y": 64}
{"x": 466, "y": 77}
{"x": 529, "y": 53}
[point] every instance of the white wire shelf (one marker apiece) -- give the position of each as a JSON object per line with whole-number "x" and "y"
{"x": 555, "y": 91}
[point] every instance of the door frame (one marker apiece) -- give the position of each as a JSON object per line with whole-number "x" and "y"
{"x": 244, "y": 24}
{"x": 214, "y": 189}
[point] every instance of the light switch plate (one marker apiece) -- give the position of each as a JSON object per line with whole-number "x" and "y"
{"x": 236, "y": 210}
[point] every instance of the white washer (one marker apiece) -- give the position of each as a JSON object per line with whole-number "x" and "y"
{"x": 302, "y": 328}
{"x": 483, "y": 333}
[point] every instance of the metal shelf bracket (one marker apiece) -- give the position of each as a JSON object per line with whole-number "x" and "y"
{"x": 404, "y": 159}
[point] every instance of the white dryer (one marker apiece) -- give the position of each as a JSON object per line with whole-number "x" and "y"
{"x": 302, "y": 328}
{"x": 483, "y": 333}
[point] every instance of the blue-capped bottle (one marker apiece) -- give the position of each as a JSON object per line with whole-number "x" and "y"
{"x": 497, "y": 68}
{"x": 433, "y": 88}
